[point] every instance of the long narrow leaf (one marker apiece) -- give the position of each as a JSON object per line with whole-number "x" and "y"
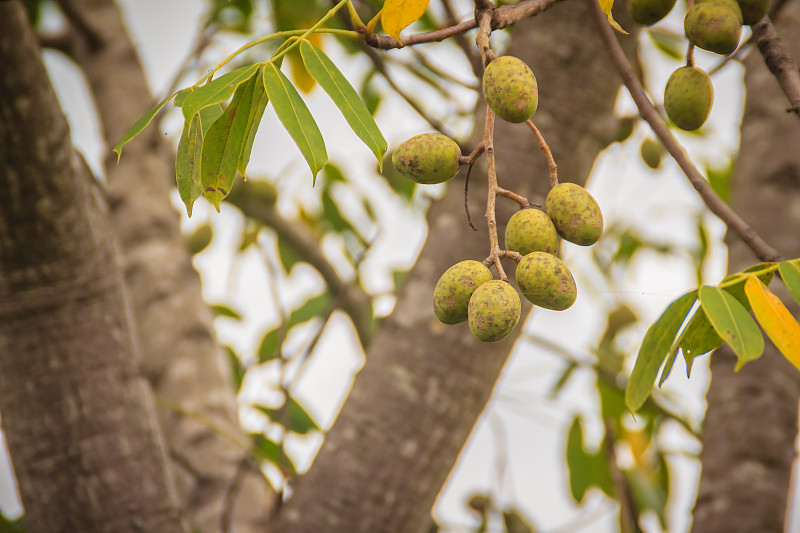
{"x": 216, "y": 91}
{"x": 296, "y": 118}
{"x": 656, "y": 345}
{"x": 790, "y": 272}
{"x": 223, "y": 143}
{"x": 345, "y": 97}
{"x": 187, "y": 164}
{"x": 779, "y": 324}
{"x": 257, "y": 107}
{"x": 732, "y": 323}
{"x": 140, "y": 125}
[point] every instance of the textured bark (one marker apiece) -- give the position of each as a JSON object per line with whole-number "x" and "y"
{"x": 181, "y": 356}
{"x": 751, "y": 423}
{"x": 425, "y": 384}
{"x": 77, "y": 413}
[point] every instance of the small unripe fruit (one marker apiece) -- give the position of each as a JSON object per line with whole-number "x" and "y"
{"x": 200, "y": 239}
{"x": 651, "y": 152}
{"x": 546, "y": 281}
{"x": 714, "y": 25}
{"x": 575, "y": 213}
{"x": 688, "y": 96}
{"x": 494, "y": 310}
{"x": 647, "y": 12}
{"x": 510, "y": 89}
{"x": 427, "y": 158}
{"x": 753, "y": 10}
{"x": 454, "y": 289}
{"x": 531, "y": 230}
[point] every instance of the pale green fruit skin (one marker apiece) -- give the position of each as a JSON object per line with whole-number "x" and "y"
{"x": 688, "y": 97}
{"x": 715, "y": 25}
{"x": 454, "y": 289}
{"x": 531, "y": 230}
{"x": 427, "y": 158}
{"x": 546, "y": 281}
{"x": 651, "y": 152}
{"x": 647, "y": 12}
{"x": 575, "y": 214}
{"x": 494, "y": 310}
{"x": 753, "y": 10}
{"x": 510, "y": 89}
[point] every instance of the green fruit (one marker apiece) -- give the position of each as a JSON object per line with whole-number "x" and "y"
{"x": 427, "y": 158}
{"x": 753, "y": 10}
{"x": 688, "y": 96}
{"x": 575, "y": 214}
{"x": 714, "y": 25}
{"x": 493, "y": 311}
{"x": 200, "y": 239}
{"x": 454, "y": 289}
{"x": 531, "y": 230}
{"x": 647, "y": 12}
{"x": 651, "y": 152}
{"x": 546, "y": 281}
{"x": 510, "y": 89}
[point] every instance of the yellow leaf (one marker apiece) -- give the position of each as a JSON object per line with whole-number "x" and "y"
{"x": 779, "y": 324}
{"x": 397, "y": 14}
{"x": 606, "y": 6}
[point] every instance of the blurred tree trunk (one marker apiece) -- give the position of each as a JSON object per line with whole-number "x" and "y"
{"x": 77, "y": 414}
{"x": 425, "y": 384}
{"x": 751, "y": 423}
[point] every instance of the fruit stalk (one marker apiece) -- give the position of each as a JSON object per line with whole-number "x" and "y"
{"x": 551, "y": 162}
{"x": 491, "y": 196}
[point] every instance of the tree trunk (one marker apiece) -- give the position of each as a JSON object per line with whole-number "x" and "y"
{"x": 751, "y": 423}
{"x": 425, "y": 384}
{"x": 221, "y": 489}
{"x": 77, "y": 414}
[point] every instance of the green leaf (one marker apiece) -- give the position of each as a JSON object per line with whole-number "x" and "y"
{"x": 187, "y": 164}
{"x": 577, "y": 462}
{"x": 698, "y": 338}
{"x": 655, "y": 348}
{"x": 237, "y": 370}
{"x": 181, "y": 96}
{"x": 288, "y": 255}
{"x": 140, "y": 125}
{"x": 296, "y": 118}
{"x": 223, "y": 144}
{"x": 209, "y": 115}
{"x": 269, "y": 348}
{"x": 790, "y": 273}
{"x": 216, "y": 91}
{"x": 292, "y": 416}
{"x": 332, "y": 215}
{"x": 732, "y": 323}
{"x": 312, "y": 308}
{"x": 267, "y": 450}
{"x": 259, "y": 103}
{"x": 223, "y": 310}
{"x": 345, "y": 97}
{"x": 669, "y": 43}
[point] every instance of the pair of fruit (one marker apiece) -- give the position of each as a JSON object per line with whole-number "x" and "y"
{"x": 711, "y": 24}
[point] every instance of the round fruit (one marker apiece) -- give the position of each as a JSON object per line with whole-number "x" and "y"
{"x": 575, "y": 213}
{"x": 651, "y": 152}
{"x": 454, "y": 289}
{"x": 688, "y": 96}
{"x": 714, "y": 25}
{"x": 531, "y": 230}
{"x": 647, "y": 12}
{"x": 493, "y": 310}
{"x": 753, "y": 10}
{"x": 546, "y": 281}
{"x": 510, "y": 89}
{"x": 427, "y": 158}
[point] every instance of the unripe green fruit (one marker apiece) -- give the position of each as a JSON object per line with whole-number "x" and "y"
{"x": 427, "y": 158}
{"x": 575, "y": 213}
{"x": 714, "y": 25}
{"x": 454, "y": 289}
{"x": 200, "y": 239}
{"x": 753, "y": 10}
{"x": 647, "y": 12}
{"x": 688, "y": 96}
{"x": 493, "y": 311}
{"x": 651, "y": 152}
{"x": 546, "y": 281}
{"x": 531, "y": 230}
{"x": 510, "y": 89}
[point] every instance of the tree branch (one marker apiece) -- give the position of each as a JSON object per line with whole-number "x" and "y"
{"x": 779, "y": 61}
{"x": 733, "y": 221}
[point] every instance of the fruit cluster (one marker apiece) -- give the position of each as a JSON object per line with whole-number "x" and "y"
{"x": 713, "y": 25}
{"x": 467, "y": 291}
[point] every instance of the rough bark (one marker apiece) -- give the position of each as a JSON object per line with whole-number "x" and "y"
{"x": 751, "y": 423}
{"x": 220, "y": 489}
{"x": 425, "y": 384}
{"x": 77, "y": 413}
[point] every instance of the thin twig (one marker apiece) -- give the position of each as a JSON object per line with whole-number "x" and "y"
{"x": 226, "y": 518}
{"x": 521, "y": 200}
{"x": 779, "y": 61}
{"x": 628, "y": 512}
{"x": 734, "y": 222}
{"x": 466, "y": 198}
{"x": 551, "y": 162}
{"x": 491, "y": 196}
